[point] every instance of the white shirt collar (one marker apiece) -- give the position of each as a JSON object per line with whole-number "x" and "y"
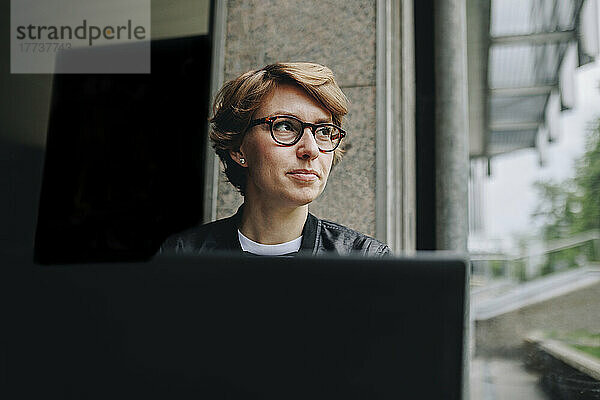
{"x": 260, "y": 249}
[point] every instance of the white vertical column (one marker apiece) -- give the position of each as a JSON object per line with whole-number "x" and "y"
{"x": 395, "y": 155}
{"x": 452, "y": 146}
{"x": 211, "y": 161}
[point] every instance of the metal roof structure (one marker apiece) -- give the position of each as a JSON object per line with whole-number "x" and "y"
{"x": 522, "y": 57}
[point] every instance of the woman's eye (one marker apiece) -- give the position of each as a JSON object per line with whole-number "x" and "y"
{"x": 324, "y": 131}
{"x": 283, "y": 126}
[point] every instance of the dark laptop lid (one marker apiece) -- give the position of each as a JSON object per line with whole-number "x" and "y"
{"x": 248, "y": 327}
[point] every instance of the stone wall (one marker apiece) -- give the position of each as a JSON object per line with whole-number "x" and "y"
{"x": 503, "y": 335}
{"x": 341, "y": 35}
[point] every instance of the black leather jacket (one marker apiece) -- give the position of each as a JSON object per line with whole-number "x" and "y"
{"x": 318, "y": 237}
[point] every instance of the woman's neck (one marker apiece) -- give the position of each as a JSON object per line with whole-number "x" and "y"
{"x": 266, "y": 224}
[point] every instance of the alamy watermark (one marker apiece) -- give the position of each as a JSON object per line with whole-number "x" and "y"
{"x": 80, "y": 36}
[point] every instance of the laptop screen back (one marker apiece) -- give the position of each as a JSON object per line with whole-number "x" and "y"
{"x": 249, "y": 327}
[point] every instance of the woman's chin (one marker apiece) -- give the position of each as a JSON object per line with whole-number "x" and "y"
{"x": 303, "y": 197}
{"x": 290, "y": 196}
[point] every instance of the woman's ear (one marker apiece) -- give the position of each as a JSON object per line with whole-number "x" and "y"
{"x": 238, "y": 157}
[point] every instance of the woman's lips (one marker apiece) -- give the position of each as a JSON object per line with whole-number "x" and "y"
{"x": 304, "y": 175}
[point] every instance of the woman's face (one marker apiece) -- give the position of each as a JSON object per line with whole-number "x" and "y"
{"x": 286, "y": 176}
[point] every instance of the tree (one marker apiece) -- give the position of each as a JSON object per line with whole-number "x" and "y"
{"x": 587, "y": 182}
{"x": 572, "y": 206}
{"x": 554, "y": 210}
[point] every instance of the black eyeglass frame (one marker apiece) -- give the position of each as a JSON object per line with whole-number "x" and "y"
{"x": 271, "y": 119}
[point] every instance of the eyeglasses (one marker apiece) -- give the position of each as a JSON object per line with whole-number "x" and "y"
{"x": 287, "y": 130}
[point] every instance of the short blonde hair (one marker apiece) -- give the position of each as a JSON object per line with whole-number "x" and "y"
{"x": 237, "y": 101}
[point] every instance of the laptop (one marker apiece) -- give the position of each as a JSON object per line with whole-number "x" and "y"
{"x": 224, "y": 327}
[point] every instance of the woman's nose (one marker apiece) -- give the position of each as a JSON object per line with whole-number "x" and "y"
{"x": 307, "y": 146}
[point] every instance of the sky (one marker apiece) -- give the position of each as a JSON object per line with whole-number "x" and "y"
{"x": 508, "y": 195}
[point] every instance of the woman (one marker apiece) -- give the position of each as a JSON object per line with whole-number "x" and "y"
{"x": 277, "y": 131}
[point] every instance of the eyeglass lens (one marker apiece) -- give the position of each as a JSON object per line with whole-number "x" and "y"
{"x": 286, "y": 130}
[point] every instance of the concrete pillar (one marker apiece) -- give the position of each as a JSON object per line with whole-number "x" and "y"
{"x": 451, "y": 148}
{"x": 452, "y": 138}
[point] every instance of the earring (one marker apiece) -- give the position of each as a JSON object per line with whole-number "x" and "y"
{"x": 242, "y": 161}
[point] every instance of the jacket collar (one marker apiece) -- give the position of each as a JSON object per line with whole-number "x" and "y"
{"x": 310, "y": 235}
{"x": 229, "y": 238}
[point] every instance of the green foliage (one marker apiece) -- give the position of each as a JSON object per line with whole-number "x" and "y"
{"x": 591, "y": 350}
{"x": 497, "y": 267}
{"x": 519, "y": 270}
{"x": 572, "y": 206}
{"x": 587, "y": 181}
{"x": 559, "y": 260}
{"x": 577, "y": 336}
{"x": 559, "y": 209}
{"x": 580, "y": 339}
